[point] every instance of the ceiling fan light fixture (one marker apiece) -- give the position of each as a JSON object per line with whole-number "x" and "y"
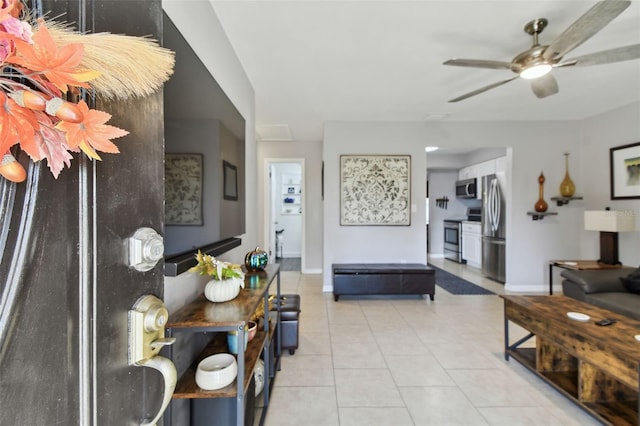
{"x": 535, "y": 71}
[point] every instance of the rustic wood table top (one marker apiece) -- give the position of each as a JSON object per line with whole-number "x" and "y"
{"x": 612, "y": 348}
{"x": 236, "y": 312}
{"x": 583, "y": 264}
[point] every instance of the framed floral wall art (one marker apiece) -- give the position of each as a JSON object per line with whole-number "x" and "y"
{"x": 625, "y": 171}
{"x": 375, "y": 190}
{"x": 183, "y": 189}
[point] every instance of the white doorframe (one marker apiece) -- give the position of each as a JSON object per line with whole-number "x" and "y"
{"x": 268, "y": 225}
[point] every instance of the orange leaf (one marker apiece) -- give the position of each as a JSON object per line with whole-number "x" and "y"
{"x": 61, "y": 66}
{"x": 17, "y": 124}
{"x": 92, "y": 134}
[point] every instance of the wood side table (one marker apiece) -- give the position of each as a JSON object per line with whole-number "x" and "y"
{"x": 576, "y": 265}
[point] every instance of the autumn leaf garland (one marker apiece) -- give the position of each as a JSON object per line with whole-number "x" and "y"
{"x": 37, "y": 73}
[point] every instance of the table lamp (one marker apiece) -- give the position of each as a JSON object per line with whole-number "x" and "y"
{"x": 609, "y": 223}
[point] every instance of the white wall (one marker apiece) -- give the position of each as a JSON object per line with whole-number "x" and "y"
{"x": 534, "y": 147}
{"x": 199, "y": 25}
{"x": 312, "y": 155}
{"x": 344, "y": 244}
{"x": 597, "y": 136}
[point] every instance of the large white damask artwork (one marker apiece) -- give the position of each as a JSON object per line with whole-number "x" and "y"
{"x": 375, "y": 190}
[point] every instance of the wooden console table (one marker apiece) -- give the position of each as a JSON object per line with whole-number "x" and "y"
{"x": 594, "y": 366}
{"x": 204, "y": 316}
{"x": 576, "y": 265}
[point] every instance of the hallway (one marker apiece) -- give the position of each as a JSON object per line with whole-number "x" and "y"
{"x": 408, "y": 361}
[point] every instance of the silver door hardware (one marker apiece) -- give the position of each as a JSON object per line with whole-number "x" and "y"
{"x": 146, "y": 248}
{"x": 147, "y": 320}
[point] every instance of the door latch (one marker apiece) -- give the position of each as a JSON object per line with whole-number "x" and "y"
{"x": 147, "y": 320}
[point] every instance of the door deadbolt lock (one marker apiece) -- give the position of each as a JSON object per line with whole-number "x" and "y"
{"x": 146, "y": 248}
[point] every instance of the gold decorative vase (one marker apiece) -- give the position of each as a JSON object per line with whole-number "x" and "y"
{"x": 541, "y": 205}
{"x": 567, "y": 187}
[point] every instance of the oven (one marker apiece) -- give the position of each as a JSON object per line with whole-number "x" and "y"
{"x": 453, "y": 240}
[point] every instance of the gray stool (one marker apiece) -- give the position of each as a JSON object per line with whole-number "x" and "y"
{"x": 289, "y": 317}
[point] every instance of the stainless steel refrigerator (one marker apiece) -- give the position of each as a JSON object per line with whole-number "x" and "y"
{"x": 493, "y": 227}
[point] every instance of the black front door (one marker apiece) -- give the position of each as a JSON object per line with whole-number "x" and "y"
{"x": 65, "y": 283}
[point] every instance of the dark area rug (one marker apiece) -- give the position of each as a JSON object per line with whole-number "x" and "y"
{"x": 289, "y": 263}
{"x": 457, "y": 285}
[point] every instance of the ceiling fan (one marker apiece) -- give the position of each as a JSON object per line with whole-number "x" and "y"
{"x": 536, "y": 62}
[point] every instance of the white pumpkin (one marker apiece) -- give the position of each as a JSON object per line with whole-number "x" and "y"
{"x": 223, "y": 290}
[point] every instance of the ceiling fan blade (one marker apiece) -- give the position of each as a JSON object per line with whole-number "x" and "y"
{"x": 482, "y": 89}
{"x": 544, "y": 86}
{"x": 478, "y": 63}
{"x": 585, "y": 27}
{"x": 625, "y": 53}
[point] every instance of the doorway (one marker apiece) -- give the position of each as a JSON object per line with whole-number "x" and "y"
{"x": 285, "y": 212}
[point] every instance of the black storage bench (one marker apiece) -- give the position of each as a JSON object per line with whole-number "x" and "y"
{"x": 289, "y": 320}
{"x": 382, "y": 278}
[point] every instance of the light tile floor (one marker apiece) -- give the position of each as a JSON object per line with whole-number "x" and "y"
{"x": 395, "y": 361}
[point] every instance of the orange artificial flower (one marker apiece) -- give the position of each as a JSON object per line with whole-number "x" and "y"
{"x": 17, "y": 124}
{"x": 59, "y": 65}
{"x": 92, "y": 133}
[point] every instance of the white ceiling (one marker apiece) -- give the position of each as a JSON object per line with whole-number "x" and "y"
{"x": 316, "y": 61}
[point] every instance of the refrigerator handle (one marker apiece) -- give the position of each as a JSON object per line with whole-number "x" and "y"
{"x": 498, "y": 205}
{"x": 492, "y": 206}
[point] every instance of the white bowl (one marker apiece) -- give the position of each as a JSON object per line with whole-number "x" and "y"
{"x": 216, "y": 371}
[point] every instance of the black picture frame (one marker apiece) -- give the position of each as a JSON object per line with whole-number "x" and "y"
{"x": 624, "y": 169}
{"x": 230, "y": 181}
{"x": 322, "y": 181}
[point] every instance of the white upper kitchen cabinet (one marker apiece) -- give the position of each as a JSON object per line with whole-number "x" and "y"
{"x": 468, "y": 172}
{"x": 482, "y": 169}
{"x": 501, "y": 164}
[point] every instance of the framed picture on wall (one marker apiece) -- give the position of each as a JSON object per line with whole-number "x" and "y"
{"x": 375, "y": 190}
{"x": 183, "y": 189}
{"x": 624, "y": 164}
{"x": 230, "y": 181}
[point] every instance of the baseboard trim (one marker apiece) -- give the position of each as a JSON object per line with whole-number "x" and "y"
{"x": 312, "y": 271}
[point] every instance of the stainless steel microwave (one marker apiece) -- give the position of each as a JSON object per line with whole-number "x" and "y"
{"x": 466, "y": 188}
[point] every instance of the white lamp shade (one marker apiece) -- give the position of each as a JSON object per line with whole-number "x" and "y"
{"x": 609, "y": 221}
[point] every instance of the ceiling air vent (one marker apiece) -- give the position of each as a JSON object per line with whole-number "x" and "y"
{"x": 273, "y": 132}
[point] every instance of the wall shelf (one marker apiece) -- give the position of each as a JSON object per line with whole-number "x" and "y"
{"x": 541, "y": 215}
{"x": 291, "y": 203}
{"x": 561, "y": 201}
